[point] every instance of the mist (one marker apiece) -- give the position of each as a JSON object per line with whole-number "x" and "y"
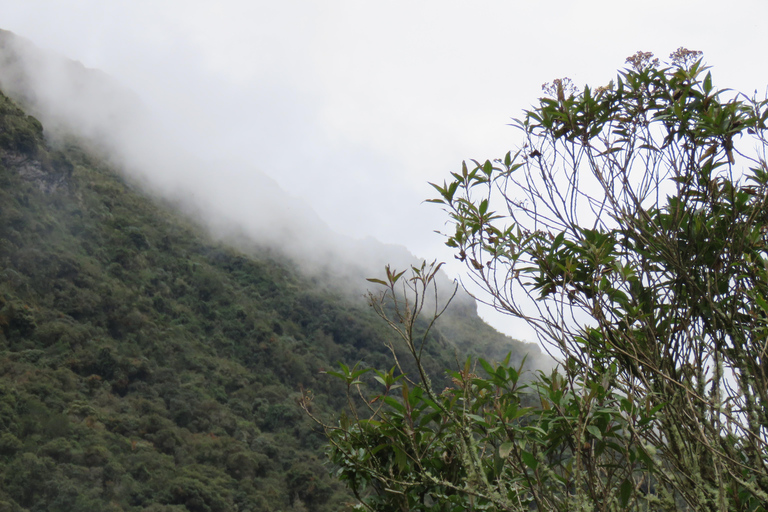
{"x": 296, "y": 122}
{"x": 224, "y": 193}
{"x": 234, "y": 201}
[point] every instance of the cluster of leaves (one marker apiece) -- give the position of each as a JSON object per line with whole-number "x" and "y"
{"x": 498, "y": 442}
{"x": 630, "y": 231}
{"x": 145, "y": 367}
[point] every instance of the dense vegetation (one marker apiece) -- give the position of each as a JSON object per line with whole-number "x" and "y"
{"x": 629, "y": 229}
{"x": 146, "y": 367}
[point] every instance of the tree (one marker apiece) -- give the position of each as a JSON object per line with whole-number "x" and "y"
{"x": 630, "y": 230}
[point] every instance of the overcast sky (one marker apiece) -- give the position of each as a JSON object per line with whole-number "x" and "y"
{"x": 353, "y": 106}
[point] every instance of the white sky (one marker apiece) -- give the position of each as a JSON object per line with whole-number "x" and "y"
{"x": 355, "y": 105}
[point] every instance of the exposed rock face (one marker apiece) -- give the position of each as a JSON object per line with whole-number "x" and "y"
{"x": 22, "y": 149}
{"x": 33, "y": 171}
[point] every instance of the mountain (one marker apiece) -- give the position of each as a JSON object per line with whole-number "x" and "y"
{"x": 235, "y": 201}
{"x": 146, "y": 363}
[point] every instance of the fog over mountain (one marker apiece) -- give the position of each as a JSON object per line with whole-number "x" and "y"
{"x": 231, "y": 197}
{"x": 236, "y": 202}
{"x": 353, "y": 107}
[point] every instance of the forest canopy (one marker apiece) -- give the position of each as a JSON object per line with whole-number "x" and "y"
{"x": 629, "y": 229}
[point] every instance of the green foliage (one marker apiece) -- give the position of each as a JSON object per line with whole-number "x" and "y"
{"x": 144, "y": 366}
{"x": 632, "y": 223}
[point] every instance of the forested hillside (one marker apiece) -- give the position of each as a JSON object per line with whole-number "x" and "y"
{"x": 147, "y": 367}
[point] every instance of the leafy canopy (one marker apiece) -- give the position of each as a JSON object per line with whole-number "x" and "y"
{"x": 630, "y": 230}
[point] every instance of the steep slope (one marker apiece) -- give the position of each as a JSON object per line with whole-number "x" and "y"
{"x": 239, "y": 204}
{"x": 127, "y": 376}
{"x": 147, "y": 367}
{"x": 233, "y": 199}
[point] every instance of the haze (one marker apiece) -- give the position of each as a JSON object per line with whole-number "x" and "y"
{"x": 353, "y": 106}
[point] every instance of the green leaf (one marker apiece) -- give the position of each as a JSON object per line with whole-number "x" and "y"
{"x": 530, "y": 460}
{"x": 486, "y": 366}
{"x": 344, "y": 421}
{"x": 512, "y": 412}
{"x": 379, "y": 448}
{"x": 400, "y": 458}
{"x": 611, "y": 151}
{"x": 625, "y": 491}
{"x": 356, "y": 373}
{"x": 390, "y": 401}
{"x": 513, "y": 375}
{"x": 761, "y": 302}
{"x": 433, "y": 416}
{"x": 595, "y": 431}
{"x": 505, "y": 449}
{"x": 478, "y": 419}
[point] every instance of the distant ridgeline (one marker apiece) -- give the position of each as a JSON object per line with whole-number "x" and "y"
{"x": 146, "y": 367}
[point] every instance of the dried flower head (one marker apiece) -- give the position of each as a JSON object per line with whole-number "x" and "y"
{"x": 642, "y": 60}
{"x": 560, "y": 88}
{"x": 683, "y": 57}
{"x": 605, "y": 88}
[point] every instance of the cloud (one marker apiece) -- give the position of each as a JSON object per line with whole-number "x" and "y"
{"x": 224, "y": 190}
{"x": 353, "y": 106}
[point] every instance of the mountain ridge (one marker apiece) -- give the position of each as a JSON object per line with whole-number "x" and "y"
{"x": 149, "y": 366}
{"x": 107, "y": 118}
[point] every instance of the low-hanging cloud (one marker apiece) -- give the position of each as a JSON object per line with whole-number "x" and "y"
{"x": 229, "y": 196}
{"x": 235, "y": 201}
